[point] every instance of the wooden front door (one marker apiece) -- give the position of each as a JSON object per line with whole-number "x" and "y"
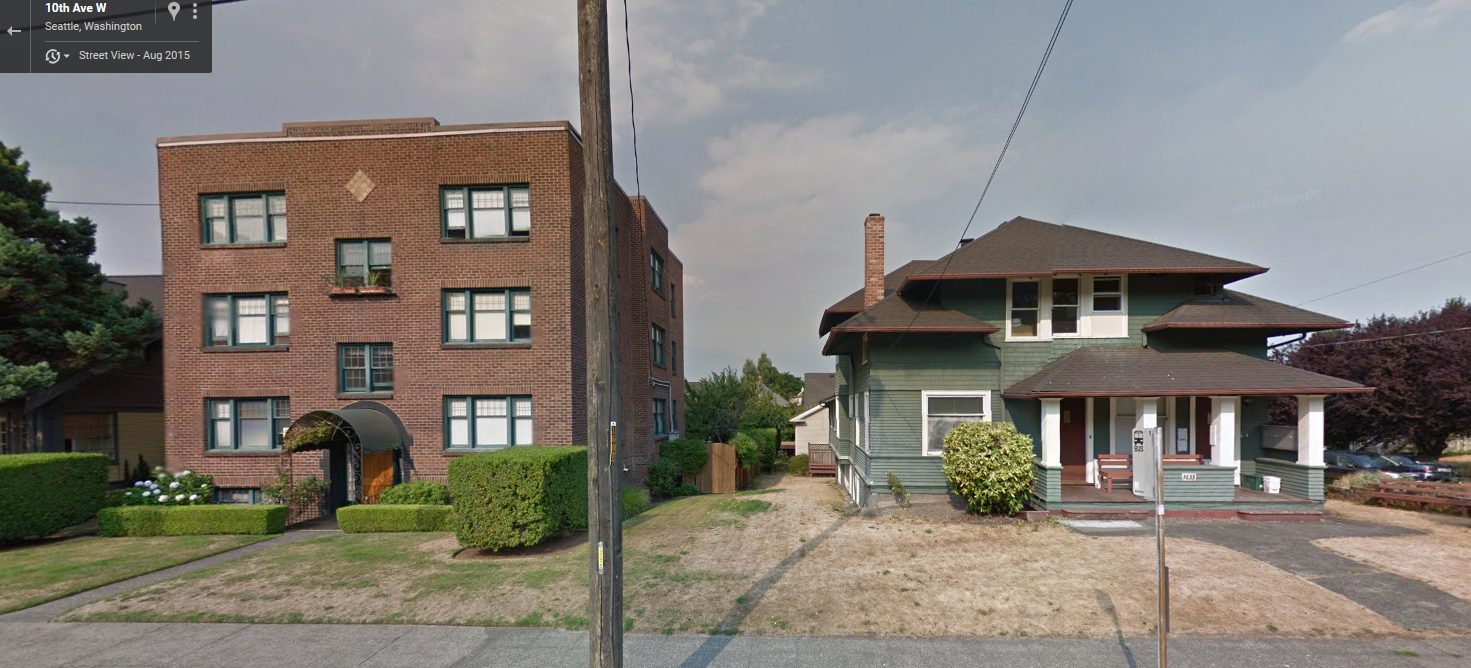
{"x": 1203, "y": 427}
{"x": 1074, "y": 440}
{"x": 377, "y": 474}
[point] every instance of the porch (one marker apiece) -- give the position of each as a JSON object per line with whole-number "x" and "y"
{"x": 1209, "y": 410}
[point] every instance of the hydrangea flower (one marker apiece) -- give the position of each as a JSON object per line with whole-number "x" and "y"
{"x": 146, "y": 494}
{"x": 184, "y": 473}
{"x": 193, "y": 497}
{"x": 138, "y": 484}
{"x": 179, "y": 497}
{"x": 174, "y": 485}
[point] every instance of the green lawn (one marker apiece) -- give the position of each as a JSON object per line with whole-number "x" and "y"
{"x": 34, "y": 574}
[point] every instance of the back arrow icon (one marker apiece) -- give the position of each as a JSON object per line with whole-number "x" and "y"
{"x": 11, "y": 31}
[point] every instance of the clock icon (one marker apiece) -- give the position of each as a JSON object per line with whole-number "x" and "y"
{"x": 53, "y": 56}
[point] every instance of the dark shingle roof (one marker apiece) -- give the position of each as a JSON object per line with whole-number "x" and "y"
{"x": 1238, "y": 310}
{"x": 1101, "y": 371}
{"x": 853, "y": 303}
{"x": 895, "y": 314}
{"x": 818, "y": 387}
{"x": 1026, "y": 247}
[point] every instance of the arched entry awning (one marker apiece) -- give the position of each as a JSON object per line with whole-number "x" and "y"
{"x": 361, "y": 439}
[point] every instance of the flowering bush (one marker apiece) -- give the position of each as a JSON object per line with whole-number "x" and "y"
{"x": 168, "y": 489}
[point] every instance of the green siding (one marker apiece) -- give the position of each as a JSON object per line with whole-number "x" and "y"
{"x": 1212, "y": 484}
{"x": 1046, "y": 484}
{"x": 1297, "y": 479}
{"x": 901, "y": 368}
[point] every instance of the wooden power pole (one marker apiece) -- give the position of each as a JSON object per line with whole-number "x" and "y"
{"x": 604, "y": 511}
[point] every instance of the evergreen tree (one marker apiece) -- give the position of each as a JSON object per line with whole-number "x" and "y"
{"x": 56, "y": 314}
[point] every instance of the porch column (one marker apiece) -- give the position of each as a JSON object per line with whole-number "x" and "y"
{"x": 1052, "y": 432}
{"x": 1147, "y": 412}
{"x": 1310, "y": 430}
{"x": 1226, "y": 433}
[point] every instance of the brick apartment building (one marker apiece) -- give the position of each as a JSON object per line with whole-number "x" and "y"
{"x": 401, "y": 269}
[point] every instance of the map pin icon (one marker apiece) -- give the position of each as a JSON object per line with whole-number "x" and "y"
{"x": 174, "y": 10}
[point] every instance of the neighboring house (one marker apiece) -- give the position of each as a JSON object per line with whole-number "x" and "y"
{"x": 1077, "y": 337}
{"x": 812, "y": 424}
{"x": 427, "y": 303}
{"x": 117, "y": 411}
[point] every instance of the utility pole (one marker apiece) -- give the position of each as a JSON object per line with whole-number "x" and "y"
{"x": 604, "y": 511}
{"x": 1162, "y": 570}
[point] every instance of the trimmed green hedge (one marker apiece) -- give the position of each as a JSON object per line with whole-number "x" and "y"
{"x": 43, "y": 493}
{"x": 191, "y": 520}
{"x": 766, "y": 440}
{"x": 519, "y": 496}
{"x": 635, "y": 501}
{"x": 377, "y": 518}
{"x": 417, "y": 493}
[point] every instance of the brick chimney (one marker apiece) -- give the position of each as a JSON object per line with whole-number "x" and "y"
{"x": 873, "y": 259}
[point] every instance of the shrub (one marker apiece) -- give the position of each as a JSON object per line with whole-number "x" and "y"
{"x": 419, "y": 492}
{"x": 43, "y": 493}
{"x": 765, "y": 438}
{"x": 685, "y": 456}
{"x": 990, "y": 465}
{"x": 1359, "y": 480}
{"x": 663, "y": 478}
{"x": 797, "y": 465}
{"x": 748, "y": 452}
{"x": 897, "y": 488}
{"x": 166, "y": 489}
{"x": 191, "y": 520}
{"x": 518, "y": 496}
{"x": 381, "y": 517}
{"x": 635, "y": 501}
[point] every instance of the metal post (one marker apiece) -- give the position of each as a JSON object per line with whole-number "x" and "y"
{"x": 1162, "y": 571}
{"x": 604, "y": 512}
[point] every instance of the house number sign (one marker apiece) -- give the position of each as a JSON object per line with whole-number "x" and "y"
{"x": 1188, "y": 477}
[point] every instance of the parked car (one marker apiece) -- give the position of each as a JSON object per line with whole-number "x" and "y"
{"x": 1340, "y": 463}
{"x": 1435, "y": 471}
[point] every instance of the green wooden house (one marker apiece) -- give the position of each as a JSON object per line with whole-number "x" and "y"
{"x": 1077, "y": 337}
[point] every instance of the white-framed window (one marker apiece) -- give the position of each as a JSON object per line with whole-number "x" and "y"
{"x": 1065, "y": 306}
{"x": 1024, "y": 309}
{"x": 861, "y": 430}
{"x": 943, "y": 410}
{"x": 1108, "y": 294}
{"x": 840, "y": 410}
{"x": 487, "y": 423}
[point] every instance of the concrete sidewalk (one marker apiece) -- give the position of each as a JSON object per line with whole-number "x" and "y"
{"x": 43, "y": 645}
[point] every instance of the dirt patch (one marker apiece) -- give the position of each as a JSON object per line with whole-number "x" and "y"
{"x": 793, "y": 559}
{"x": 1436, "y": 556}
{"x": 554, "y": 547}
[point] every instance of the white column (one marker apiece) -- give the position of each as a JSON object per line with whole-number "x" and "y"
{"x": 1226, "y": 433}
{"x": 1052, "y": 432}
{"x": 1310, "y": 430}
{"x": 1146, "y": 412}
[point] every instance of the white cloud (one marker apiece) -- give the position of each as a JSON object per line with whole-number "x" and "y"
{"x": 784, "y": 206}
{"x": 1409, "y": 17}
{"x": 690, "y": 59}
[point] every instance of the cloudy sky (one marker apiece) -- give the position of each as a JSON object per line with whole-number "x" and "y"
{"x": 1325, "y": 139}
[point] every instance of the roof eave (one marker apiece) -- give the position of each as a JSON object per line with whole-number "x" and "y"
{"x": 1238, "y": 272}
{"x": 1245, "y": 392}
{"x": 1275, "y": 326}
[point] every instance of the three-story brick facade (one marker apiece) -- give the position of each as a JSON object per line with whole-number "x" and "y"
{"x": 433, "y": 271}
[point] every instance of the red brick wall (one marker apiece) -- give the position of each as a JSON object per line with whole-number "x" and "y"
{"x": 404, "y": 206}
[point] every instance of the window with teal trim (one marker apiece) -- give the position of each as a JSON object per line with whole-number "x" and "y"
{"x": 656, "y": 271}
{"x": 661, "y": 416}
{"x": 246, "y": 320}
{"x": 487, "y": 423}
{"x": 487, "y": 316}
{"x": 247, "y": 424}
{"x": 363, "y": 262}
{"x": 365, "y": 367}
{"x": 656, "y": 344}
{"x": 485, "y": 212}
{"x": 246, "y": 218}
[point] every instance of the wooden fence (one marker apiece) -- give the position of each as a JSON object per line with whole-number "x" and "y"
{"x": 821, "y": 461}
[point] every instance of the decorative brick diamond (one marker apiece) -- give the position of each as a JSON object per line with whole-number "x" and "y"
{"x": 360, "y": 185}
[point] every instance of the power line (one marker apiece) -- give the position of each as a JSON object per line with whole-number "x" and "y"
{"x": 1386, "y": 338}
{"x": 1026, "y": 101}
{"x": 76, "y": 203}
{"x": 638, "y": 187}
{"x": 1385, "y": 278}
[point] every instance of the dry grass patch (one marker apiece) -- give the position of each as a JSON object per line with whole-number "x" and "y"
{"x": 1436, "y": 557}
{"x": 791, "y": 560}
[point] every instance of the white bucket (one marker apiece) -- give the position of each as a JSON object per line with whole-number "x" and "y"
{"x": 1272, "y": 484}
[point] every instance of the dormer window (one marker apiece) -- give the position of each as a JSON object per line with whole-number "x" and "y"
{"x": 1089, "y": 307}
{"x": 1025, "y": 308}
{"x": 1064, "y": 306}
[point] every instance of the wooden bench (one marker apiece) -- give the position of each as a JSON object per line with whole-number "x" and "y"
{"x": 1183, "y": 460}
{"x": 1114, "y": 467}
{"x": 1422, "y": 495}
